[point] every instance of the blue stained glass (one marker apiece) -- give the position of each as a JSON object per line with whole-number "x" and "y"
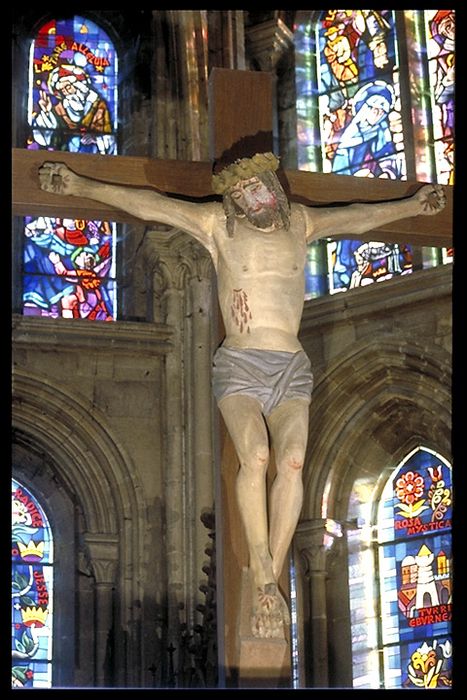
{"x": 423, "y": 588}
{"x": 30, "y": 528}
{"x": 358, "y": 92}
{"x": 355, "y": 264}
{"x": 32, "y": 591}
{"x": 69, "y": 265}
{"x": 73, "y": 105}
{"x": 69, "y": 268}
{"x": 440, "y": 32}
{"x": 394, "y": 660}
{"x": 349, "y": 123}
{"x": 36, "y": 615}
{"x": 419, "y": 496}
{"x": 424, "y": 583}
{"x": 357, "y": 88}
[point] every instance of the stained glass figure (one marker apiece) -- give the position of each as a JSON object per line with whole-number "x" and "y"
{"x": 440, "y": 31}
{"x": 349, "y": 123}
{"x": 356, "y": 83}
{"x": 68, "y": 268}
{"x": 69, "y": 265}
{"x": 354, "y": 264}
{"x": 31, "y": 590}
{"x": 350, "y": 118}
{"x": 73, "y": 88}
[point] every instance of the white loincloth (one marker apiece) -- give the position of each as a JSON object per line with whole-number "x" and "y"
{"x": 269, "y": 376}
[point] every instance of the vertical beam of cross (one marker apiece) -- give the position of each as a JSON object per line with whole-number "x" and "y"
{"x": 240, "y": 109}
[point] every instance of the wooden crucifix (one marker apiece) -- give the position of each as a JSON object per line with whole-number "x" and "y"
{"x": 242, "y": 106}
{"x": 259, "y": 293}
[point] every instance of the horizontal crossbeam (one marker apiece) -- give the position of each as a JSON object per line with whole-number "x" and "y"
{"x": 192, "y": 179}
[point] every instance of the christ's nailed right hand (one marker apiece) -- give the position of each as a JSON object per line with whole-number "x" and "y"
{"x": 58, "y": 178}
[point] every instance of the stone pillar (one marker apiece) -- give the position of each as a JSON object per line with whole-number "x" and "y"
{"x": 179, "y": 84}
{"x": 181, "y": 272}
{"x": 226, "y": 39}
{"x": 313, "y": 541}
{"x": 173, "y": 476}
{"x": 201, "y": 409}
{"x": 167, "y": 280}
{"x": 103, "y": 559}
{"x": 267, "y": 42}
{"x": 270, "y": 46}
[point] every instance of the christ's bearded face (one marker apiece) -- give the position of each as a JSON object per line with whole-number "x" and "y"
{"x": 255, "y": 201}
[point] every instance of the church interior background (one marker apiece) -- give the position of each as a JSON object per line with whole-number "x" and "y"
{"x": 116, "y": 548}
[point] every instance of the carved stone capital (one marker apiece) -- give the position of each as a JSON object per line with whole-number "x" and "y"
{"x": 103, "y": 552}
{"x": 268, "y": 41}
{"x": 314, "y": 540}
{"x": 173, "y": 258}
{"x": 104, "y": 571}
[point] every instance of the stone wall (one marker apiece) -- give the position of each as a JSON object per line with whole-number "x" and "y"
{"x": 382, "y": 362}
{"x": 88, "y": 403}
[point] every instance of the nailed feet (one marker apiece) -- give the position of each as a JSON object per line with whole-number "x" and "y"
{"x": 269, "y": 612}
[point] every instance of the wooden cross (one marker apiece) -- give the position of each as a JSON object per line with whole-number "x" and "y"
{"x": 240, "y": 105}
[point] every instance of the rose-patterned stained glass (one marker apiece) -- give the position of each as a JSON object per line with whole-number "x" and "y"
{"x": 415, "y": 566}
{"x": 419, "y": 499}
{"x": 69, "y": 264}
{"x": 32, "y": 591}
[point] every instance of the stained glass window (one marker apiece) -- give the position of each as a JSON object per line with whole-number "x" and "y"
{"x": 415, "y": 573}
{"x": 351, "y": 118}
{"x": 439, "y": 27}
{"x": 69, "y": 264}
{"x": 31, "y": 591}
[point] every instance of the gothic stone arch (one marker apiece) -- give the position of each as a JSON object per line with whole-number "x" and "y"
{"x": 97, "y": 473}
{"x": 375, "y": 402}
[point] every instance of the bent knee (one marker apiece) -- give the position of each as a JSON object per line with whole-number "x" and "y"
{"x": 295, "y": 465}
{"x": 293, "y": 460}
{"x": 257, "y": 458}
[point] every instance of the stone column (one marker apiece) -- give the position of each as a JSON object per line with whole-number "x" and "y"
{"x": 313, "y": 541}
{"x": 103, "y": 559}
{"x": 270, "y": 46}
{"x": 173, "y": 475}
{"x": 226, "y": 39}
{"x": 200, "y": 418}
{"x": 175, "y": 480}
{"x": 179, "y": 84}
{"x": 181, "y": 279}
{"x": 267, "y": 42}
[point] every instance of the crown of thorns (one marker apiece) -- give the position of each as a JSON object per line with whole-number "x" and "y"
{"x": 243, "y": 169}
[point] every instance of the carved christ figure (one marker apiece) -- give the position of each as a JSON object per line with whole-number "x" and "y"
{"x": 262, "y": 377}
